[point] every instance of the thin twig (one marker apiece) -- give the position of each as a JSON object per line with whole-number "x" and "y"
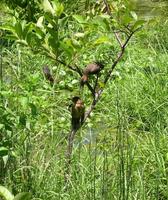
{"x": 115, "y": 33}
{"x": 91, "y": 108}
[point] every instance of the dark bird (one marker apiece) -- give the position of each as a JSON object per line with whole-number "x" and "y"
{"x": 48, "y": 75}
{"x": 77, "y": 109}
{"x": 93, "y": 68}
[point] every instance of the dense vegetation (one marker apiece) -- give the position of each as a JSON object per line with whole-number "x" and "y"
{"x": 121, "y": 151}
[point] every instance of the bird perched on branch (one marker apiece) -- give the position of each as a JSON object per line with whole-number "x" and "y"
{"x": 93, "y": 68}
{"x": 77, "y": 109}
{"x": 48, "y": 75}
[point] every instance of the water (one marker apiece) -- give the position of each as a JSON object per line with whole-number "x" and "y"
{"x": 149, "y": 9}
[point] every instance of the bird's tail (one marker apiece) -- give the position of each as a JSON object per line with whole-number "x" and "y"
{"x": 75, "y": 123}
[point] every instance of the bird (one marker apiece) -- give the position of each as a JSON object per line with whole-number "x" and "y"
{"x": 48, "y": 75}
{"x": 77, "y": 109}
{"x": 92, "y": 68}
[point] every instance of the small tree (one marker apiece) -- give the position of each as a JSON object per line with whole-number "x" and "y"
{"x": 104, "y": 27}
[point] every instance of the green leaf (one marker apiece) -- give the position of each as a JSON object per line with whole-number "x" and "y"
{"x": 102, "y": 40}
{"x": 26, "y": 28}
{"x": 53, "y": 44}
{"x": 138, "y": 23}
{"x": 134, "y": 15}
{"x": 62, "y": 22}
{"x": 23, "y": 101}
{"x": 67, "y": 47}
{"x": 79, "y": 35}
{"x": 7, "y": 28}
{"x": 59, "y": 9}
{"x": 101, "y": 23}
{"x": 48, "y": 7}
{"x": 23, "y": 196}
{"x": 80, "y": 19}
{"x": 10, "y": 37}
{"x": 18, "y": 29}
{"x": 40, "y": 22}
{"x": 6, "y": 194}
{"x": 5, "y": 159}
{"x": 3, "y": 151}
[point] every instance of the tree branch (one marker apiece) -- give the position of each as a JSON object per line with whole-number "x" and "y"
{"x": 91, "y": 108}
{"x": 115, "y": 33}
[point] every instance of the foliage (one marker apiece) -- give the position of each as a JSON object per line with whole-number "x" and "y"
{"x": 4, "y": 193}
{"x": 121, "y": 153}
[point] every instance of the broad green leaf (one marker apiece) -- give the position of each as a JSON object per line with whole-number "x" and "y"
{"x": 48, "y": 7}
{"x": 138, "y": 24}
{"x": 80, "y": 19}
{"x": 103, "y": 40}
{"x": 126, "y": 19}
{"x": 18, "y": 29}
{"x": 23, "y": 196}
{"x": 62, "y": 22}
{"x": 40, "y": 22}
{"x": 76, "y": 44}
{"x": 7, "y": 28}
{"x": 59, "y": 9}
{"x": 5, "y": 193}
{"x": 66, "y": 48}
{"x": 29, "y": 38}
{"x": 5, "y": 159}
{"x": 101, "y": 23}
{"x": 10, "y": 37}
{"x": 79, "y": 35}
{"x": 52, "y": 42}
{"x": 3, "y": 151}
{"x": 134, "y": 15}
{"x": 26, "y": 29}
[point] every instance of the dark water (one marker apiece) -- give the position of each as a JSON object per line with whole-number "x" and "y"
{"x": 149, "y": 9}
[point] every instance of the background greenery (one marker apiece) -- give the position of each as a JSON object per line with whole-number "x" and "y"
{"x": 120, "y": 153}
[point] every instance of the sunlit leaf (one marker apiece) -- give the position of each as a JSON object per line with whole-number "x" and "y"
{"x": 80, "y": 19}
{"x": 59, "y": 9}
{"x": 8, "y": 28}
{"x": 79, "y": 35}
{"x": 134, "y": 15}
{"x": 47, "y": 7}
{"x": 40, "y": 22}
{"x": 5, "y": 193}
{"x": 5, "y": 159}
{"x": 102, "y": 40}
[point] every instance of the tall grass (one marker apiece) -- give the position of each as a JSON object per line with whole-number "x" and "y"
{"x": 120, "y": 154}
